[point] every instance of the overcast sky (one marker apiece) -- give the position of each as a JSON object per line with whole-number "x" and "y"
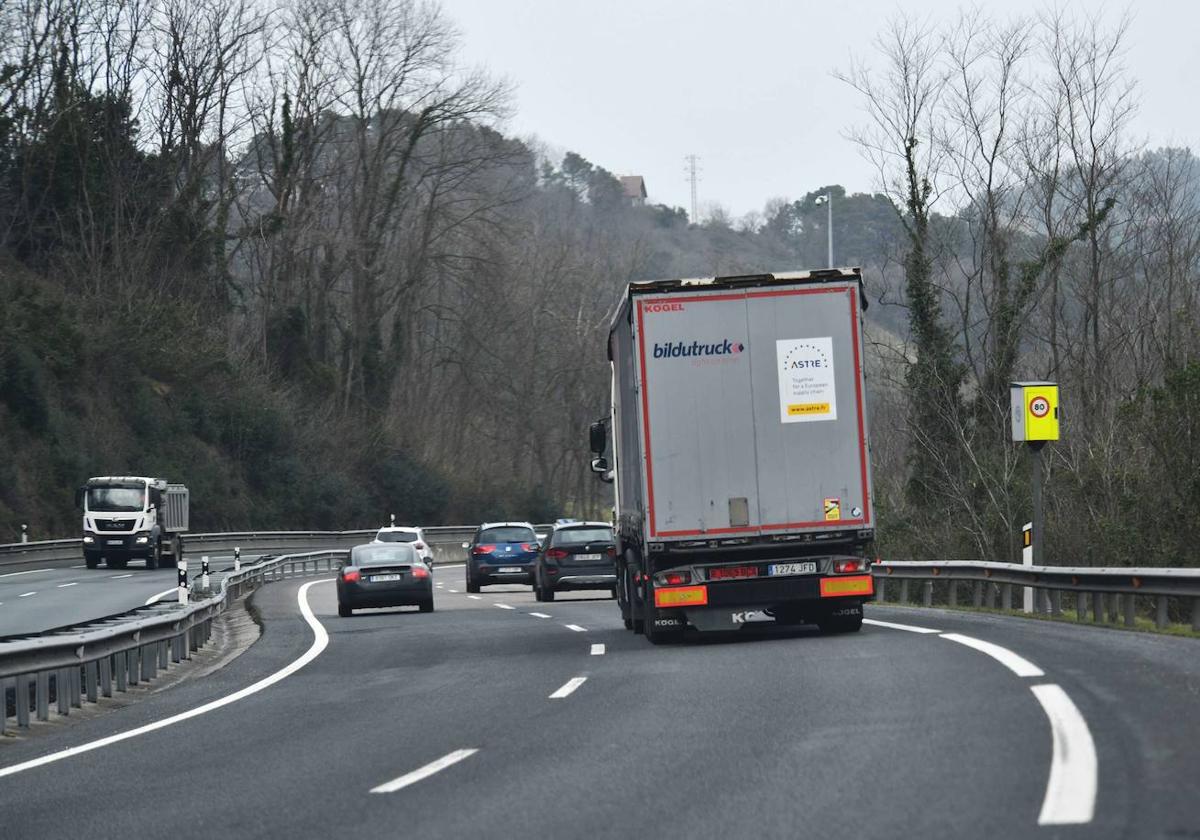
{"x": 635, "y": 85}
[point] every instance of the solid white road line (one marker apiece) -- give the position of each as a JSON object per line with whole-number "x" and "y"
{"x": 597, "y": 650}
{"x": 455, "y": 591}
{"x": 539, "y": 615}
{"x": 65, "y": 585}
{"x": 893, "y": 626}
{"x": 130, "y": 574}
{"x": 424, "y": 772}
{"x": 504, "y": 606}
{"x": 475, "y": 597}
{"x": 569, "y": 688}
{"x": 153, "y": 599}
{"x": 27, "y": 594}
{"x": 1071, "y": 788}
{"x": 1019, "y": 665}
{"x": 28, "y": 572}
{"x": 320, "y": 641}
{"x": 576, "y": 628}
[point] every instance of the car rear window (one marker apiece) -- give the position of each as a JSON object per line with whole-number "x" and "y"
{"x": 579, "y": 536}
{"x": 397, "y": 536}
{"x": 507, "y": 534}
{"x": 399, "y": 553}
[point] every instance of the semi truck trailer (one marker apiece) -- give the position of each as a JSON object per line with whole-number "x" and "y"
{"x": 739, "y": 453}
{"x": 132, "y": 518}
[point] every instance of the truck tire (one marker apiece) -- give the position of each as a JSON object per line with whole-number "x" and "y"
{"x": 632, "y": 621}
{"x": 154, "y": 557}
{"x": 91, "y": 559}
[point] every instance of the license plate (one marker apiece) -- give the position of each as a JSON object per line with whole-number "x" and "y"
{"x": 511, "y": 570}
{"x": 588, "y": 556}
{"x": 792, "y": 569}
{"x": 115, "y": 542}
{"x": 381, "y": 578}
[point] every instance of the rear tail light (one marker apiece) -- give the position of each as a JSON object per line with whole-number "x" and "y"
{"x": 420, "y": 572}
{"x": 483, "y": 549}
{"x": 556, "y": 554}
{"x": 529, "y": 546}
{"x": 350, "y": 575}
{"x": 612, "y": 552}
{"x": 675, "y": 578}
{"x": 847, "y": 566}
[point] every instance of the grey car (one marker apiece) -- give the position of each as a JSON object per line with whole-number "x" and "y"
{"x": 384, "y": 575}
{"x": 578, "y": 555}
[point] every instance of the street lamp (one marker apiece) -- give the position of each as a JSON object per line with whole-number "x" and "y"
{"x": 827, "y": 200}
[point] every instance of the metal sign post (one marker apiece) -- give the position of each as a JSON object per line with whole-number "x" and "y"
{"x": 1034, "y": 422}
{"x": 1027, "y": 560}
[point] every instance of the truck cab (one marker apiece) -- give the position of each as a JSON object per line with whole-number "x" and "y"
{"x": 132, "y": 518}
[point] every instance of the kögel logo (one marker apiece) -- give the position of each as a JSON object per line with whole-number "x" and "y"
{"x": 680, "y": 349}
{"x": 662, "y": 306}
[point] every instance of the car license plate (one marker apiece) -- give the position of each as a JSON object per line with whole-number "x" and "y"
{"x": 115, "y": 542}
{"x": 792, "y": 569}
{"x": 511, "y": 570}
{"x": 588, "y": 556}
{"x": 381, "y": 578}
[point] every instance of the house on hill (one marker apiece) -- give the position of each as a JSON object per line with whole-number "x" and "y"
{"x": 634, "y": 188}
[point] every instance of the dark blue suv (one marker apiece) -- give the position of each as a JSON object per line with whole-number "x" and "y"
{"x": 501, "y": 552}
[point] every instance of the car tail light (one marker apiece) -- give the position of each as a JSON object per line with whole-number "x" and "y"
{"x": 529, "y": 546}
{"x": 420, "y": 572}
{"x": 847, "y": 566}
{"x": 675, "y": 578}
{"x": 483, "y": 549}
{"x": 612, "y": 552}
{"x": 732, "y": 572}
{"x": 556, "y": 554}
{"x": 350, "y": 575}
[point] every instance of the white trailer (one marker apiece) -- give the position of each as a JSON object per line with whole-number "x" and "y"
{"x": 741, "y": 461}
{"x": 132, "y": 518}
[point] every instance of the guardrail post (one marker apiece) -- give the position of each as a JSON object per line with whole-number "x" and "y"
{"x": 121, "y": 666}
{"x": 952, "y": 595}
{"x": 928, "y": 595}
{"x": 164, "y": 655}
{"x": 1160, "y": 618}
{"x": 1097, "y": 607}
{"x": 977, "y": 596}
{"x": 1081, "y": 606}
{"x": 106, "y": 676}
{"x": 75, "y": 681}
{"x": 881, "y": 590}
{"x": 149, "y": 663}
{"x": 91, "y": 681}
{"x": 1196, "y": 614}
{"x": 904, "y": 591}
{"x": 989, "y": 596}
{"x": 62, "y": 691}
{"x": 42, "y": 695}
{"x": 1130, "y": 610}
{"x": 1006, "y": 597}
{"x": 1055, "y": 602}
{"x": 22, "y": 699}
{"x": 133, "y": 659}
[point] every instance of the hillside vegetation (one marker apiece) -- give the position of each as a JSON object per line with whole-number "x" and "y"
{"x": 289, "y": 257}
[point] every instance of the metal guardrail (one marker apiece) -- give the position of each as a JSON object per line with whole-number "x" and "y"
{"x": 446, "y": 540}
{"x": 84, "y": 664}
{"x": 1108, "y": 594}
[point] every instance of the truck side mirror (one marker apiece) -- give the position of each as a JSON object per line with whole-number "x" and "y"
{"x": 598, "y": 438}
{"x": 600, "y": 465}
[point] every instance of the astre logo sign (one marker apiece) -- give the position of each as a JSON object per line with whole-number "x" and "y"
{"x": 807, "y": 391}
{"x": 681, "y": 349}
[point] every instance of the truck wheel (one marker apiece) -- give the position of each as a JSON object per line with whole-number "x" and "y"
{"x": 152, "y": 559}
{"x": 634, "y": 622}
{"x": 91, "y": 559}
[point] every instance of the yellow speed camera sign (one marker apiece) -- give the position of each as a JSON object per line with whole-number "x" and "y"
{"x": 1034, "y": 411}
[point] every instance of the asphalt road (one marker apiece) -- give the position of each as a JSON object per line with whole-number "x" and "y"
{"x": 886, "y": 733}
{"x": 37, "y": 600}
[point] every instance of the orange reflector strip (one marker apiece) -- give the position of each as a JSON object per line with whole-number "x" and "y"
{"x": 681, "y": 596}
{"x": 857, "y": 585}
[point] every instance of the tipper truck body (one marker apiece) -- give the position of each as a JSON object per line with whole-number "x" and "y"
{"x": 739, "y": 452}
